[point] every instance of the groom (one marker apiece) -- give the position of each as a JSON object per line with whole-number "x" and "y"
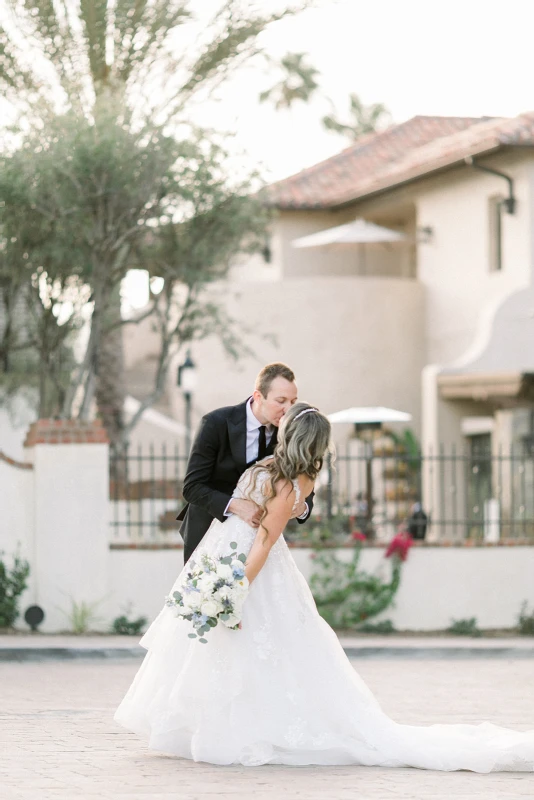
{"x": 229, "y": 440}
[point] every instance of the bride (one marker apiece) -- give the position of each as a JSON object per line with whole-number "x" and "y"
{"x": 280, "y": 689}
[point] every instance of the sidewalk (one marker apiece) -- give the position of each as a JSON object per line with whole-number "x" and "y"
{"x": 49, "y": 647}
{"x": 58, "y": 740}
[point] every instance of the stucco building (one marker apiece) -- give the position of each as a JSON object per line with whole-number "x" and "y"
{"x": 440, "y": 325}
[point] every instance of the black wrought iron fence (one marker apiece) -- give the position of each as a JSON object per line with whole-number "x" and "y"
{"x": 447, "y": 495}
{"x": 145, "y": 490}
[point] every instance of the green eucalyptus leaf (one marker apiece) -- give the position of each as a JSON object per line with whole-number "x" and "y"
{"x": 242, "y": 558}
{"x": 204, "y": 641}
{"x": 192, "y": 635}
{"x": 233, "y": 545}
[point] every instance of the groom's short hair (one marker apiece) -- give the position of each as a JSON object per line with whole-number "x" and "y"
{"x": 269, "y": 373}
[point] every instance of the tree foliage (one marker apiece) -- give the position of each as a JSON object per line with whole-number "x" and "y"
{"x": 363, "y": 119}
{"x": 101, "y": 199}
{"x": 298, "y": 82}
{"x": 106, "y": 172}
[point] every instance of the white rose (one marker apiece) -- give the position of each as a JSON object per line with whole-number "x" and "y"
{"x": 224, "y": 571}
{"x": 209, "y": 608}
{"x": 224, "y": 592}
{"x": 240, "y": 588}
{"x": 206, "y": 583}
{"x": 192, "y": 600}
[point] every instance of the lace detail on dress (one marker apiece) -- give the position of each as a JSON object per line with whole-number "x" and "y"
{"x": 245, "y": 488}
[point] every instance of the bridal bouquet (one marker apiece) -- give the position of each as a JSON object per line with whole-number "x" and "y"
{"x": 212, "y": 591}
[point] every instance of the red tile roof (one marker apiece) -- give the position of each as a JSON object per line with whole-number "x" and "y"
{"x": 398, "y": 155}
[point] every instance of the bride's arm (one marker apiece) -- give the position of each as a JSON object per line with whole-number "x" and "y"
{"x": 279, "y": 511}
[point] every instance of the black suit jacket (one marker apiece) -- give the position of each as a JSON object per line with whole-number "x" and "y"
{"x": 217, "y": 461}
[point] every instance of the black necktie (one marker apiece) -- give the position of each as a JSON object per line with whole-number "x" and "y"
{"x": 273, "y": 442}
{"x": 262, "y": 443}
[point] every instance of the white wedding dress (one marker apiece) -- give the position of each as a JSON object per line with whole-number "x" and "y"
{"x": 281, "y": 690}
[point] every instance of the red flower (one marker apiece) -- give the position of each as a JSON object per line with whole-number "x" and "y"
{"x": 399, "y": 546}
{"x": 359, "y": 536}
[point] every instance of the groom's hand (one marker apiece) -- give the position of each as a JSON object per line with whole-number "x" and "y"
{"x": 300, "y": 510}
{"x": 246, "y": 510}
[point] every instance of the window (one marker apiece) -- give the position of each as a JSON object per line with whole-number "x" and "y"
{"x": 495, "y": 233}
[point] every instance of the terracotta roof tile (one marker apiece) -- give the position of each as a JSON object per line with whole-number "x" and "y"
{"x": 399, "y": 154}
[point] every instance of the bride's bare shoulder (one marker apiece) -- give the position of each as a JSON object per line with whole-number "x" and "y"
{"x": 285, "y": 488}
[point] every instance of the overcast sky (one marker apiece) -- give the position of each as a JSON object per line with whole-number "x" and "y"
{"x": 462, "y": 57}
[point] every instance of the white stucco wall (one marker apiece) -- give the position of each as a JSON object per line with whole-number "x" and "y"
{"x": 14, "y": 422}
{"x": 140, "y": 580}
{"x": 71, "y": 529}
{"x": 16, "y": 516}
{"x": 438, "y": 584}
{"x": 350, "y": 341}
{"x": 454, "y": 267}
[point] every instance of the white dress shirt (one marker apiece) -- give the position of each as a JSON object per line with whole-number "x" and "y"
{"x": 253, "y": 433}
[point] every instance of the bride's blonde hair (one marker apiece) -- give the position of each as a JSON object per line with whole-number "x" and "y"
{"x": 303, "y": 439}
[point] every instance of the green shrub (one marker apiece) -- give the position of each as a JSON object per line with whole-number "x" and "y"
{"x": 320, "y": 531}
{"x": 125, "y": 627}
{"x": 385, "y": 626}
{"x": 82, "y": 616}
{"x": 12, "y": 583}
{"x": 464, "y": 627}
{"x": 347, "y": 596}
{"x": 526, "y": 621}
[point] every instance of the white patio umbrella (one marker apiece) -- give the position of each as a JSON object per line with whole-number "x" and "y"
{"x": 358, "y": 232}
{"x": 362, "y": 414}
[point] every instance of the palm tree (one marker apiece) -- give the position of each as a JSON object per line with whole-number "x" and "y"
{"x": 298, "y": 82}
{"x": 364, "y": 119}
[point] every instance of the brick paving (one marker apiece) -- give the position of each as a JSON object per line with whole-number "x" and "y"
{"x": 58, "y": 738}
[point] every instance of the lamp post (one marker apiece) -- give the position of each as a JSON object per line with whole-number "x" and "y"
{"x": 359, "y": 429}
{"x": 187, "y": 381}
